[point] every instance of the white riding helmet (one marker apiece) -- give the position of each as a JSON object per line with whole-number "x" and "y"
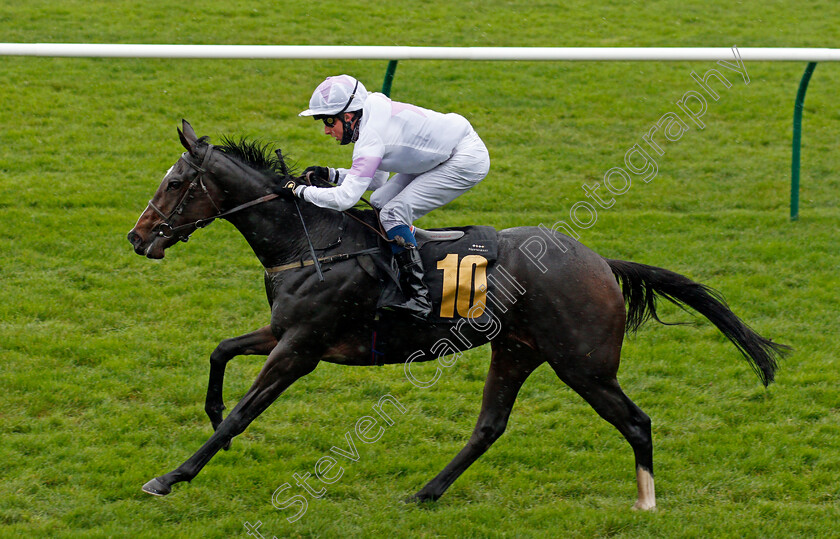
{"x": 335, "y": 96}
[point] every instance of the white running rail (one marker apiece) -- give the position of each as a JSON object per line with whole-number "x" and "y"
{"x": 92, "y": 50}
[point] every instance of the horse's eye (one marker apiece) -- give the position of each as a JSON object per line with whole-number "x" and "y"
{"x": 173, "y": 185}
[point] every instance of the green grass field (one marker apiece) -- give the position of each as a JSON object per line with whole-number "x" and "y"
{"x": 104, "y": 354}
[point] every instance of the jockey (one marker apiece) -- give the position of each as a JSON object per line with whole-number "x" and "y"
{"x": 436, "y": 157}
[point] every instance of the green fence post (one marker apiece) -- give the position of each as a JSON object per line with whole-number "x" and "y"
{"x": 389, "y": 77}
{"x": 797, "y": 140}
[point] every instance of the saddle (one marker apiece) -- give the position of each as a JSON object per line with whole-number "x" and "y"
{"x": 424, "y": 236}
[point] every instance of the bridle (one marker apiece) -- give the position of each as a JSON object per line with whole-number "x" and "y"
{"x": 166, "y": 230}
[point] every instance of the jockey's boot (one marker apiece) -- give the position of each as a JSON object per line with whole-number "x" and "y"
{"x": 417, "y": 302}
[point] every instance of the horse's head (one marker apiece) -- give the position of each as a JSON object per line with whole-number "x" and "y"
{"x": 183, "y": 202}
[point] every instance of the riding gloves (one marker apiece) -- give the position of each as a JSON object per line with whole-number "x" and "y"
{"x": 291, "y": 190}
{"x": 321, "y": 173}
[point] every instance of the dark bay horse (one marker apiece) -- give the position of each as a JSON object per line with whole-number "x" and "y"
{"x": 572, "y": 316}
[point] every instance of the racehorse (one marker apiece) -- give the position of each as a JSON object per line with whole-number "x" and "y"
{"x": 573, "y": 316}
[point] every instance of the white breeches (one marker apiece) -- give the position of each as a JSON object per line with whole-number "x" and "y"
{"x": 407, "y": 197}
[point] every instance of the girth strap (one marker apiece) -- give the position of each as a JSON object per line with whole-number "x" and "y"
{"x": 323, "y": 260}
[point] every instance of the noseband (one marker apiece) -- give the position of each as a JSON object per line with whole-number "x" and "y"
{"x": 166, "y": 230}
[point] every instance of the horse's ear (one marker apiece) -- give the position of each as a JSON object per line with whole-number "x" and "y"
{"x": 189, "y": 132}
{"x": 188, "y": 136}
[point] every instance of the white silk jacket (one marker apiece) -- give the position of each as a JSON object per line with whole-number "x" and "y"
{"x": 393, "y": 137}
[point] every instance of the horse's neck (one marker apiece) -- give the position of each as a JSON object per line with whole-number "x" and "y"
{"x": 275, "y": 232}
{"x": 274, "y": 229}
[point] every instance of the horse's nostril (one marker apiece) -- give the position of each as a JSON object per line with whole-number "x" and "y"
{"x": 133, "y": 238}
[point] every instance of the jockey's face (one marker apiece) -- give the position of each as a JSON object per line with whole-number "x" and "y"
{"x": 336, "y": 130}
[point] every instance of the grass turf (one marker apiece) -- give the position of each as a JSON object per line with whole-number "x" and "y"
{"x": 104, "y": 354}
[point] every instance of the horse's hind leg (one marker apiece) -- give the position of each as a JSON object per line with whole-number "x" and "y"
{"x": 605, "y": 395}
{"x": 510, "y": 365}
{"x": 260, "y": 342}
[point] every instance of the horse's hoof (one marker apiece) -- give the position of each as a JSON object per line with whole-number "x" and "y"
{"x": 638, "y": 506}
{"x": 156, "y": 487}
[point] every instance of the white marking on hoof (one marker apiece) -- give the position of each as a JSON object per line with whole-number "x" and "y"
{"x": 647, "y": 496}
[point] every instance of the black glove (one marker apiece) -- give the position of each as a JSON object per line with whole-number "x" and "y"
{"x": 288, "y": 190}
{"x": 317, "y": 173}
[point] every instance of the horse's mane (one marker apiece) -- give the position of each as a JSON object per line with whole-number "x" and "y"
{"x": 258, "y": 155}
{"x": 263, "y": 157}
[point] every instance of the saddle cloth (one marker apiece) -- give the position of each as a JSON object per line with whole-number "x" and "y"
{"x": 456, "y": 272}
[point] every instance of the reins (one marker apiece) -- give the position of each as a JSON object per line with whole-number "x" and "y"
{"x": 379, "y": 231}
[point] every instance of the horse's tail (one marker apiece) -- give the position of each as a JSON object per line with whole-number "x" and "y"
{"x": 641, "y": 284}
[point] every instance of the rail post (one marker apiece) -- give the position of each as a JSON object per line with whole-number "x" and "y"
{"x": 389, "y": 77}
{"x": 797, "y": 141}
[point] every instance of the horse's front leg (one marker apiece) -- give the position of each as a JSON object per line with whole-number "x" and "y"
{"x": 284, "y": 366}
{"x": 260, "y": 342}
